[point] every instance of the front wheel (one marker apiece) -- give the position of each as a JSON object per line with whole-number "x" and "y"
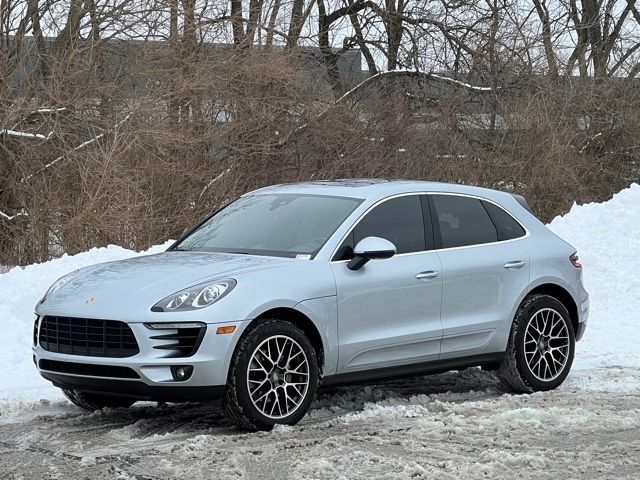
{"x": 541, "y": 346}
{"x": 273, "y": 377}
{"x": 94, "y": 401}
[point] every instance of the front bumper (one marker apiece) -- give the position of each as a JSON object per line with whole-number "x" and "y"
{"x": 153, "y": 367}
{"x": 137, "y": 389}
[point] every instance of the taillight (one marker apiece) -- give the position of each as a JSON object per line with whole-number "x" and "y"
{"x": 574, "y": 260}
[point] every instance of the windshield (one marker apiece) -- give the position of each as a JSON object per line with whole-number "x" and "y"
{"x": 278, "y": 225}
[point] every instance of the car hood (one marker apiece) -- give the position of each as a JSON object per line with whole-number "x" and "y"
{"x": 144, "y": 281}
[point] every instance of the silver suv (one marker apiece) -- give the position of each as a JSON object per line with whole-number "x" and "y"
{"x": 294, "y": 286}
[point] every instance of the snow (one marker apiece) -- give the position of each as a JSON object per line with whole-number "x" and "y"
{"x": 462, "y": 84}
{"x": 460, "y": 429}
{"x": 214, "y": 180}
{"x": 21, "y": 213}
{"x": 76, "y": 148}
{"x": 407, "y": 71}
{"x": 44, "y": 110}
{"x": 16, "y": 133}
{"x": 21, "y": 288}
{"x": 606, "y": 235}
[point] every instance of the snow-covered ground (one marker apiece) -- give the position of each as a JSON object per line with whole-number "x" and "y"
{"x": 454, "y": 425}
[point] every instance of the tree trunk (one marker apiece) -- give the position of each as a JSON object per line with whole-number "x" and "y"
{"x": 255, "y": 12}
{"x": 547, "y": 41}
{"x": 329, "y": 57}
{"x": 591, "y": 9}
{"x": 393, "y": 25}
{"x": 237, "y": 24}
{"x": 272, "y": 23}
{"x": 364, "y": 48}
{"x": 174, "y": 45}
{"x": 295, "y": 26}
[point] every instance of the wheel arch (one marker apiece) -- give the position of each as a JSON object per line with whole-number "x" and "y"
{"x": 300, "y": 320}
{"x": 563, "y": 296}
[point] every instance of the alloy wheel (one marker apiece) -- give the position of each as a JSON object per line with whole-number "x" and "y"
{"x": 278, "y": 376}
{"x": 546, "y": 344}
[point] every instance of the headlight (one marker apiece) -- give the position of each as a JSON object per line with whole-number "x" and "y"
{"x": 61, "y": 282}
{"x": 193, "y": 298}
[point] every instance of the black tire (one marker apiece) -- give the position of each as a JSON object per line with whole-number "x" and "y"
{"x": 514, "y": 372}
{"x": 94, "y": 401}
{"x": 238, "y": 406}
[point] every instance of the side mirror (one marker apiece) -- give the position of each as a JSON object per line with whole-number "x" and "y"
{"x": 371, "y": 248}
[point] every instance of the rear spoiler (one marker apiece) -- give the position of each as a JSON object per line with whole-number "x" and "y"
{"x": 521, "y": 200}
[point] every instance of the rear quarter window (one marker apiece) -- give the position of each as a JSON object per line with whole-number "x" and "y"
{"x": 508, "y": 227}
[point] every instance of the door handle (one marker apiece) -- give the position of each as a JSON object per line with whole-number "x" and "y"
{"x": 515, "y": 264}
{"x": 428, "y": 274}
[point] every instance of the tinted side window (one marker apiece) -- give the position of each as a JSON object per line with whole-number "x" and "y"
{"x": 398, "y": 220}
{"x": 508, "y": 227}
{"x": 463, "y": 221}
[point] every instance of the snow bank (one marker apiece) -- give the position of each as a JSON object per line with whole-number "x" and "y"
{"x": 20, "y": 290}
{"x": 606, "y": 235}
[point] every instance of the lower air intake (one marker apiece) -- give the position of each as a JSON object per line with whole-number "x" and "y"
{"x": 178, "y": 341}
{"x": 86, "y": 369}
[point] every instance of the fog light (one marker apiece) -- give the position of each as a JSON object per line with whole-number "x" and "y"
{"x": 181, "y": 373}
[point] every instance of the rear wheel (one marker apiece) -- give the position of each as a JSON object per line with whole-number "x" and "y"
{"x": 94, "y": 401}
{"x": 541, "y": 346}
{"x": 273, "y": 377}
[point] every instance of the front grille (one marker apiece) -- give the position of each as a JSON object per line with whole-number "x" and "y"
{"x": 183, "y": 342}
{"x": 87, "y": 369}
{"x": 88, "y": 337}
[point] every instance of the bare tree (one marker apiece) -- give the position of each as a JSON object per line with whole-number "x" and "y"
{"x": 123, "y": 122}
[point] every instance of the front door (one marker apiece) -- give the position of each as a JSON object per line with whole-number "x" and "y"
{"x": 389, "y": 310}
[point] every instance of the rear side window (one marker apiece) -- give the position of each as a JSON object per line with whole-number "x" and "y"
{"x": 398, "y": 220}
{"x": 508, "y": 227}
{"x": 463, "y": 221}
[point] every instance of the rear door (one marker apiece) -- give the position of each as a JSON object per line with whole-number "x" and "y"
{"x": 389, "y": 310}
{"x": 485, "y": 269}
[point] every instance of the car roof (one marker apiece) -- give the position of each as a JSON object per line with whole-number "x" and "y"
{"x": 375, "y": 188}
